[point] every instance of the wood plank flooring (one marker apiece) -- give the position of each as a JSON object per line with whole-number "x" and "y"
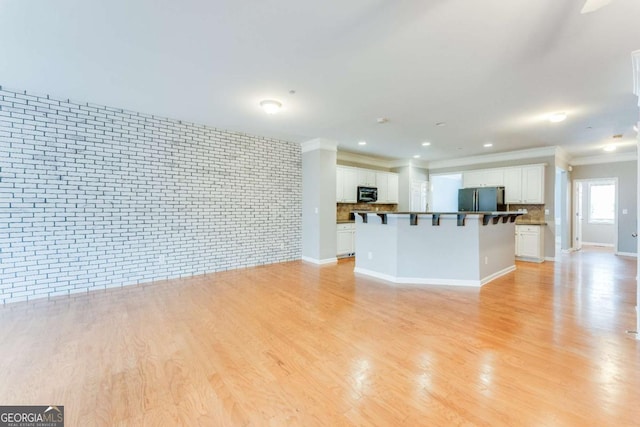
{"x": 301, "y": 345}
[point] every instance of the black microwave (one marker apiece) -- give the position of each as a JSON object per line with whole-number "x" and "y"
{"x": 367, "y": 194}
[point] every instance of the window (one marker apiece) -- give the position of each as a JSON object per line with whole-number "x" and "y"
{"x": 602, "y": 202}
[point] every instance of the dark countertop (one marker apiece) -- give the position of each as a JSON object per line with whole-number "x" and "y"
{"x": 444, "y": 213}
{"x": 525, "y": 222}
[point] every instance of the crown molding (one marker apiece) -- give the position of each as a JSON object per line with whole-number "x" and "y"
{"x": 609, "y": 158}
{"x": 496, "y": 157}
{"x": 348, "y": 156}
{"x": 319, "y": 144}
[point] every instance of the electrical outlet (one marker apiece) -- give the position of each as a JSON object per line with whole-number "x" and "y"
{"x": 486, "y": 260}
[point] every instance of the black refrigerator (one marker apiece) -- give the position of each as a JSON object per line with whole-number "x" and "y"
{"x": 483, "y": 199}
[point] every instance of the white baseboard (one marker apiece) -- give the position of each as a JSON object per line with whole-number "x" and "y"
{"x": 320, "y": 261}
{"x": 430, "y": 281}
{"x": 550, "y": 258}
{"x": 604, "y": 245}
{"x": 631, "y": 254}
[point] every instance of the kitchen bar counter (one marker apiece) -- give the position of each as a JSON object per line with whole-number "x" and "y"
{"x": 435, "y": 248}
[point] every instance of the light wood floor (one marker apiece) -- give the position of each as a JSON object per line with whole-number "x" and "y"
{"x": 296, "y": 344}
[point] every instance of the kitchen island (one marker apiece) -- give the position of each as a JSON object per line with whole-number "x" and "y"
{"x": 435, "y": 248}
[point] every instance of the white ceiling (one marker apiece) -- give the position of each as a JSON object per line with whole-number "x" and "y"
{"x": 490, "y": 69}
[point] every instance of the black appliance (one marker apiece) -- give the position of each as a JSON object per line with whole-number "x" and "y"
{"x": 483, "y": 199}
{"x": 367, "y": 194}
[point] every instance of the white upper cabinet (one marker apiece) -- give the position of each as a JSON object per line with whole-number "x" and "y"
{"x": 513, "y": 185}
{"x": 483, "y": 178}
{"x": 392, "y": 195}
{"x": 349, "y": 178}
{"x": 387, "y": 184}
{"x": 525, "y": 184}
{"x": 346, "y": 184}
{"x": 366, "y": 177}
{"x": 522, "y": 184}
{"x": 533, "y": 184}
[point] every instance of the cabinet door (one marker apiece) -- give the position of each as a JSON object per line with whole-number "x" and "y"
{"x": 529, "y": 245}
{"x": 472, "y": 179}
{"x": 382, "y": 182}
{"x": 366, "y": 177}
{"x": 533, "y": 184}
{"x": 350, "y": 186}
{"x": 339, "y": 184}
{"x": 344, "y": 240}
{"x": 493, "y": 178}
{"x": 392, "y": 188}
{"x": 346, "y": 187}
{"x": 513, "y": 185}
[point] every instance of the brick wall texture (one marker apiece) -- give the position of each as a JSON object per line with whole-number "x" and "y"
{"x": 93, "y": 197}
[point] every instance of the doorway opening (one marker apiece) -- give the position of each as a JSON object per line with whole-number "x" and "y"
{"x": 595, "y": 203}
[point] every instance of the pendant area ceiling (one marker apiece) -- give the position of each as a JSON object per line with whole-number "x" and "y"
{"x": 490, "y": 70}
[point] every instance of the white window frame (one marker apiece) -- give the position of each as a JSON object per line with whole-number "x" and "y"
{"x": 591, "y": 220}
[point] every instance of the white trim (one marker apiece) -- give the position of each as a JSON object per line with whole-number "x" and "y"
{"x": 533, "y": 259}
{"x": 320, "y": 261}
{"x": 603, "y": 245}
{"x": 609, "y": 158}
{"x": 497, "y": 157}
{"x": 550, "y": 258}
{"x": 319, "y": 144}
{"x": 429, "y": 281}
{"x": 631, "y": 254}
{"x": 635, "y": 60}
{"x": 348, "y": 156}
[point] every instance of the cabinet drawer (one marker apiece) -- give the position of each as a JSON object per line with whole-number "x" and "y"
{"x": 346, "y": 227}
{"x": 528, "y": 229}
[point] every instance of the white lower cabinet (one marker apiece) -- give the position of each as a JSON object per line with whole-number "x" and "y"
{"x": 530, "y": 243}
{"x": 346, "y": 239}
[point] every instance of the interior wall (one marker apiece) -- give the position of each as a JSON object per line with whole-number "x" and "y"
{"x": 95, "y": 197}
{"x": 627, "y": 196}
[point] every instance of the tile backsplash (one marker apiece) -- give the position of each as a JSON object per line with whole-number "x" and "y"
{"x": 535, "y": 213}
{"x": 343, "y": 210}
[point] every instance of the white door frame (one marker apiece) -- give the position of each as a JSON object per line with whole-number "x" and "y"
{"x": 578, "y": 216}
{"x": 576, "y": 236}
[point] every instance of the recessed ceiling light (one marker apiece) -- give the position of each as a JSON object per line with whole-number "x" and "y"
{"x": 440, "y": 124}
{"x": 417, "y": 156}
{"x": 488, "y": 145}
{"x": 382, "y": 120}
{"x": 362, "y": 143}
{"x": 426, "y": 144}
{"x": 610, "y": 148}
{"x": 270, "y": 106}
{"x": 557, "y": 117}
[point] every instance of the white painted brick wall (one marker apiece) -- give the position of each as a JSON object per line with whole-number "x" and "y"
{"x": 93, "y": 197}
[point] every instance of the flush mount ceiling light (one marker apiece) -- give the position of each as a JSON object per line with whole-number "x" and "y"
{"x": 557, "y": 117}
{"x": 362, "y": 143}
{"x": 426, "y": 144}
{"x": 488, "y": 145}
{"x": 270, "y": 106}
{"x": 609, "y": 148}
